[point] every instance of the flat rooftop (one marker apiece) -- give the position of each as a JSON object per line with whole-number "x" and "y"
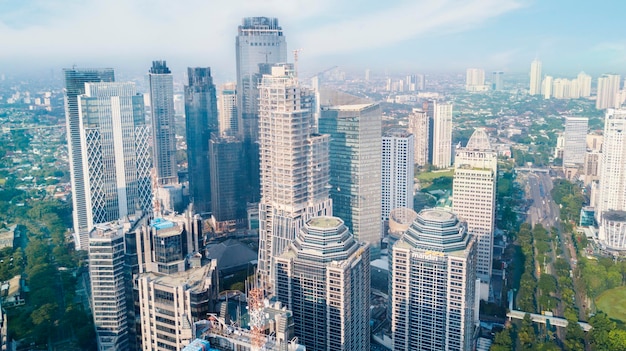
{"x": 324, "y": 222}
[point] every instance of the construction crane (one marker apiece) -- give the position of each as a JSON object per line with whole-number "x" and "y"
{"x": 296, "y": 52}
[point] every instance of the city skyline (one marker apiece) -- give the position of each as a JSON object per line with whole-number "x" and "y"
{"x": 445, "y": 29}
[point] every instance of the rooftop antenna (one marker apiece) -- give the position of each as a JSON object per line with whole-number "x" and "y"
{"x": 296, "y": 52}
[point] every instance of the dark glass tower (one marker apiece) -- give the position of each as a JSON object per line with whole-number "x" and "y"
{"x": 228, "y": 197}
{"x": 75, "y": 80}
{"x": 201, "y": 121}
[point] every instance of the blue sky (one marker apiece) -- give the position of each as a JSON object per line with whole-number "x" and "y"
{"x": 397, "y": 36}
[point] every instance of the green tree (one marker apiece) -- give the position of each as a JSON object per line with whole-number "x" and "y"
{"x": 502, "y": 341}
{"x": 617, "y": 339}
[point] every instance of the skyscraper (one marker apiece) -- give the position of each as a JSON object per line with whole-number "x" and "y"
{"x": 535, "y": 77}
{"x": 546, "y": 87}
{"x": 397, "y": 170}
{"x": 474, "y": 198}
{"x": 161, "y": 86}
{"x": 116, "y": 156}
{"x": 419, "y": 127}
{"x": 227, "y": 110}
{"x": 259, "y": 40}
{"x": 108, "y": 300}
{"x": 294, "y": 165}
{"x": 75, "y": 80}
{"x": 354, "y": 131}
{"x": 439, "y": 133}
{"x": 613, "y": 164}
{"x": 575, "y": 145}
{"x": 608, "y": 87}
{"x": 324, "y": 279}
{"x": 475, "y": 79}
{"x": 584, "y": 84}
{"x": 433, "y": 281}
{"x": 498, "y": 81}
{"x": 201, "y": 121}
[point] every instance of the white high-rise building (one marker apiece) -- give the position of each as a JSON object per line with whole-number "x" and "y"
{"x": 584, "y": 84}
{"x": 575, "y": 143}
{"x": 546, "y": 87}
{"x": 227, "y": 110}
{"x": 475, "y": 79}
{"x": 419, "y": 126}
{"x": 439, "y": 133}
{"x": 294, "y": 165}
{"x": 75, "y": 80}
{"x": 324, "y": 279}
{"x": 108, "y": 299}
{"x": 474, "y": 198}
{"x": 116, "y": 152}
{"x": 397, "y": 170}
{"x": 433, "y": 285}
{"x": 535, "y": 77}
{"x": 608, "y": 88}
{"x": 612, "y": 191}
{"x": 161, "y": 86}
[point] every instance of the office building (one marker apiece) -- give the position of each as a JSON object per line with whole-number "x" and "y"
{"x": 200, "y": 122}
{"x": 575, "y": 145}
{"x": 474, "y": 199}
{"x": 75, "y": 80}
{"x": 227, "y": 110}
{"x": 227, "y": 175}
{"x": 108, "y": 299}
{"x": 497, "y": 83}
{"x": 354, "y": 131}
{"x": 608, "y": 89}
{"x": 612, "y": 191}
{"x": 116, "y": 156}
{"x": 419, "y": 127}
{"x": 397, "y": 170}
{"x": 161, "y": 88}
{"x": 475, "y": 79}
{"x": 535, "y": 77}
{"x": 170, "y": 304}
{"x": 415, "y": 82}
{"x": 439, "y": 133}
{"x": 294, "y": 165}
{"x": 584, "y": 84}
{"x": 433, "y": 300}
{"x": 324, "y": 279}
{"x": 612, "y": 233}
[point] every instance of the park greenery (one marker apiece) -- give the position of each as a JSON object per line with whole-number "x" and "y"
{"x": 570, "y": 198}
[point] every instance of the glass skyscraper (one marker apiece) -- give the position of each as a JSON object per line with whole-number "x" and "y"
{"x": 75, "y": 80}
{"x": 201, "y": 121}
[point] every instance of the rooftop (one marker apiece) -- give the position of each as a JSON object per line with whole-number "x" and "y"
{"x": 325, "y": 222}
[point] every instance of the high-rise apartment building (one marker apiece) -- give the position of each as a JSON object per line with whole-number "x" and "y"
{"x": 584, "y": 84}
{"x": 294, "y": 165}
{"x": 75, "y": 80}
{"x": 612, "y": 192}
{"x": 433, "y": 285}
{"x": 227, "y": 174}
{"x": 200, "y": 121}
{"x": 227, "y": 110}
{"x": 108, "y": 299}
{"x": 474, "y": 198}
{"x": 608, "y": 88}
{"x": 397, "y": 170}
{"x": 439, "y": 133}
{"x": 475, "y": 79}
{"x": 324, "y": 279}
{"x": 419, "y": 127}
{"x": 354, "y": 131}
{"x": 575, "y": 145}
{"x": 535, "y": 77}
{"x": 161, "y": 87}
{"x": 116, "y": 152}
{"x": 260, "y": 40}
{"x": 497, "y": 83}
{"x": 546, "y": 87}
{"x": 415, "y": 82}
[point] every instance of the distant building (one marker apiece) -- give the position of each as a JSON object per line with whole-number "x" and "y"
{"x": 9, "y": 234}
{"x": 398, "y": 171}
{"x": 439, "y": 133}
{"x": 575, "y": 136}
{"x": 355, "y": 177}
{"x": 475, "y": 80}
{"x": 546, "y": 87}
{"x": 535, "y": 78}
{"x": 419, "y": 127}
{"x": 324, "y": 279}
{"x": 497, "y": 83}
{"x": 415, "y": 82}
{"x": 474, "y": 199}
{"x": 434, "y": 306}
{"x": 612, "y": 191}
{"x": 161, "y": 87}
{"x": 227, "y": 110}
{"x": 608, "y": 88}
{"x": 584, "y": 84}
{"x": 75, "y": 80}
{"x": 227, "y": 176}
{"x": 200, "y": 121}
